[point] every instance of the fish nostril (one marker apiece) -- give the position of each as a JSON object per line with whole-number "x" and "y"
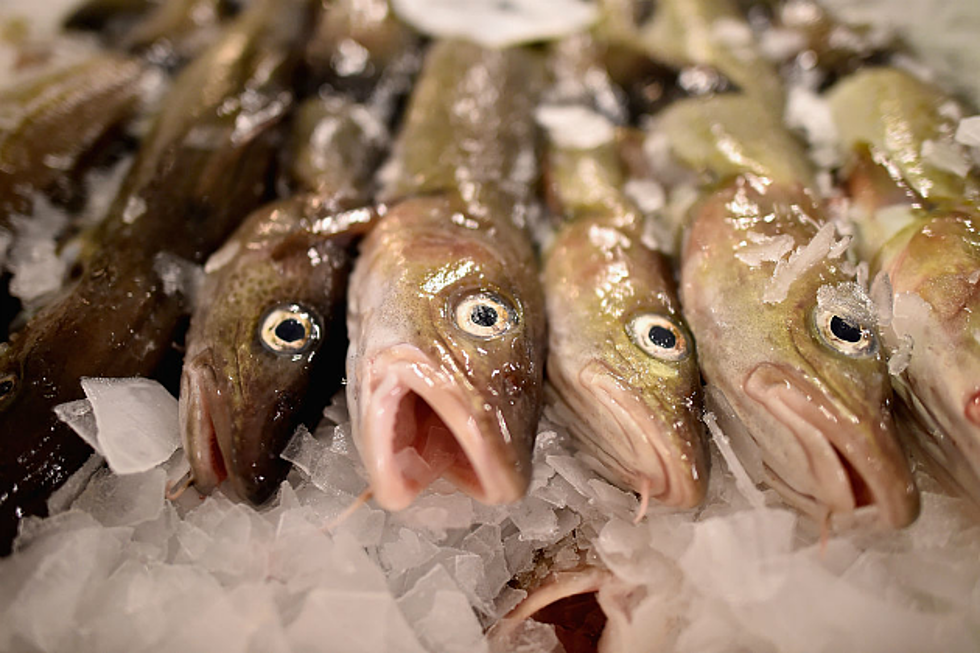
{"x": 972, "y": 409}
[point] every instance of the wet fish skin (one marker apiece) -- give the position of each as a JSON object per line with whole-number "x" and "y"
{"x": 917, "y": 222}
{"x": 49, "y": 123}
{"x": 175, "y": 31}
{"x": 189, "y": 198}
{"x": 634, "y": 405}
{"x": 431, "y": 369}
{"x": 803, "y": 401}
{"x": 243, "y": 390}
{"x": 241, "y": 387}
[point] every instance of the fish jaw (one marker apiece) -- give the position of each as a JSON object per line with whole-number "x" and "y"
{"x": 853, "y": 460}
{"x": 204, "y": 425}
{"x": 417, "y": 425}
{"x": 656, "y": 451}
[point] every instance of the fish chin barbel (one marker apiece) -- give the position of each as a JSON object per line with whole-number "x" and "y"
{"x": 446, "y": 315}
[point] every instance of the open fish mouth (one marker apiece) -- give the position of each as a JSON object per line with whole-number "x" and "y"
{"x": 853, "y": 462}
{"x": 634, "y": 439}
{"x": 417, "y": 425}
{"x": 205, "y": 424}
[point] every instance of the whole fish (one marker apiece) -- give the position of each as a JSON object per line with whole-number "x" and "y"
{"x": 201, "y": 169}
{"x": 268, "y": 323}
{"x": 446, "y": 316}
{"x": 786, "y": 338}
{"x": 620, "y": 356}
{"x": 917, "y": 217}
{"x": 49, "y": 123}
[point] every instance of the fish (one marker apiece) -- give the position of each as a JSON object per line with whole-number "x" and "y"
{"x": 918, "y": 225}
{"x": 710, "y": 39}
{"x": 621, "y": 359}
{"x": 787, "y": 340}
{"x": 202, "y": 168}
{"x": 51, "y": 122}
{"x": 269, "y": 318}
{"x": 445, "y": 311}
{"x": 175, "y": 31}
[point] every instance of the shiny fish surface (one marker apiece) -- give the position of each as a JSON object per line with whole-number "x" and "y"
{"x": 264, "y": 338}
{"x": 620, "y": 356}
{"x": 49, "y": 123}
{"x": 788, "y": 344}
{"x": 446, "y": 316}
{"x": 201, "y": 169}
{"x": 918, "y": 226}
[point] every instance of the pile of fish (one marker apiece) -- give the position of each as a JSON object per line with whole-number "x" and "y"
{"x": 557, "y": 281}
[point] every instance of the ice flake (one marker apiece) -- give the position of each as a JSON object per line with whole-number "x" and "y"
{"x": 899, "y": 359}
{"x": 946, "y": 156}
{"x": 764, "y": 248}
{"x": 137, "y": 421}
{"x": 968, "y": 131}
{"x": 574, "y": 127}
{"x": 742, "y": 480}
{"x": 497, "y": 24}
{"x": 802, "y": 259}
{"x": 441, "y": 615}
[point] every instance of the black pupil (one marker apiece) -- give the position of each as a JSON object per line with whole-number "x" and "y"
{"x": 844, "y": 330}
{"x": 6, "y": 386}
{"x": 290, "y": 330}
{"x": 484, "y": 316}
{"x": 662, "y": 337}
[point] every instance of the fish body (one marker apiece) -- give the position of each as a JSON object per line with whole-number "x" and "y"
{"x": 793, "y": 354}
{"x": 620, "y": 356}
{"x": 269, "y": 317}
{"x": 916, "y": 214}
{"x": 201, "y": 170}
{"x": 787, "y": 340}
{"x": 446, "y": 316}
{"x": 48, "y": 124}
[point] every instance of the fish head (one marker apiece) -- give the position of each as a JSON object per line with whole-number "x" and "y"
{"x": 934, "y": 273}
{"x": 446, "y": 356}
{"x": 623, "y": 363}
{"x": 261, "y": 335}
{"x": 792, "y": 343}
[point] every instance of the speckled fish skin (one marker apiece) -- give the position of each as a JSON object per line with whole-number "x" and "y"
{"x": 49, "y": 123}
{"x": 807, "y": 403}
{"x": 242, "y": 391}
{"x": 633, "y": 405}
{"x": 929, "y": 248}
{"x": 190, "y": 198}
{"x": 428, "y": 397}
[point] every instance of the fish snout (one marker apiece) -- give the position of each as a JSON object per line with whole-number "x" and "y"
{"x": 972, "y": 409}
{"x": 202, "y": 421}
{"x": 418, "y": 422}
{"x": 654, "y": 444}
{"x": 851, "y": 456}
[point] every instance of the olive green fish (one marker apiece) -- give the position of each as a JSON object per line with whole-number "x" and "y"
{"x": 619, "y": 353}
{"x": 200, "y": 170}
{"x": 915, "y": 195}
{"x": 266, "y": 327}
{"x": 446, "y": 315}
{"x": 786, "y": 338}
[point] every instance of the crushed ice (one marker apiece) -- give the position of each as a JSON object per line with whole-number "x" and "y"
{"x": 124, "y": 570}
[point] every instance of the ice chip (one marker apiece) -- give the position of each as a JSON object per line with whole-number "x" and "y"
{"x": 441, "y": 615}
{"x": 64, "y": 496}
{"x": 124, "y": 500}
{"x": 80, "y": 417}
{"x": 137, "y": 422}
{"x": 946, "y": 156}
{"x": 968, "y": 131}
{"x": 574, "y": 127}
{"x": 33, "y": 259}
{"x": 801, "y": 260}
{"x": 179, "y": 276}
{"x": 497, "y": 24}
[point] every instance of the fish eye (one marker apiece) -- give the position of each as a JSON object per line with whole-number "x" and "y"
{"x": 485, "y": 315}
{"x": 659, "y": 336}
{"x": 845, "y": 334}
{"x": 8, "y": 383}
{"x": 289, "y": 329}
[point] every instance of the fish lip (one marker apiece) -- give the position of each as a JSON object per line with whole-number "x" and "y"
{"x": 205, "y": 427}
{"x": 392, "y": 376}
{"x": 673, "y": 478}
{"x": 832, "y": 443}
{"x": 972, "y": 409}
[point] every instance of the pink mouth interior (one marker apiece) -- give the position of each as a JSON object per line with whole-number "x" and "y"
{"x": 973, "y": 409}
{"x": 425, "y": 449}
